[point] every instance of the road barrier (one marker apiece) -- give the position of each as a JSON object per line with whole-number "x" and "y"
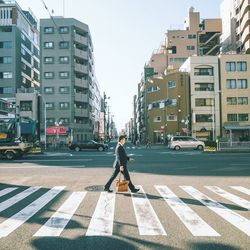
{"x": 234, "y": 145}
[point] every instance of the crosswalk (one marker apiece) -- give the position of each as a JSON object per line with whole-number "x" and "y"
{"x": 148, "y": 223}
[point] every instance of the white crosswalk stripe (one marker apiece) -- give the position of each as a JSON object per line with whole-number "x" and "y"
{"x": 55, "y": 225}
{"x": 6, "y": 191}
{"x": 18, "y": 219}
{"x": 196, "y": 225}
{"x": 231, "y": 197}
{"x": 147, "y": 220}
{"x": 8, "y": 203}
{"x": 232, "y": 217}
{"x": 241, "y": 189}
{"x": 103, "y": 217}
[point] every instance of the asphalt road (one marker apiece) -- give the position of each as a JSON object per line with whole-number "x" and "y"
{"x": 188, "y": 200}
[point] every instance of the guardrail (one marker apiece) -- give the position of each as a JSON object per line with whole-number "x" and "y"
{"x": 236, "y": 145}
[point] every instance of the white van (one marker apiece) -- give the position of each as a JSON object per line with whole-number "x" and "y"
{"x": 178, "y": 142}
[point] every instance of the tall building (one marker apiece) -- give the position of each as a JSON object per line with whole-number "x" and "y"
{"x": 204, "y": 96}
{"x": 68, "y": 82}
{"x": 235, "y": 96}
{"x": 19, "y": 49}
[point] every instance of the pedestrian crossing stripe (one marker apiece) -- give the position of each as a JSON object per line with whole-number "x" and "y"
{"x": 148, "y": 223}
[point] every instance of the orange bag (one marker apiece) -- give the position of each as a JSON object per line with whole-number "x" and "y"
{"x": 121, "y": 185}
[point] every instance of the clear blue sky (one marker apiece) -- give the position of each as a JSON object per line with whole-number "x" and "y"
{"x": 124, "y": 34}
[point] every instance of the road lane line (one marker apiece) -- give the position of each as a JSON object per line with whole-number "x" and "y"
{"x": 231, "y": 197}
{"x": 241, "y": 189}
{"x": 194, "y": 223}
{"x": 11, "y": 224}
{"x": 147, "y": 220}
{"x": 18, "y": 197}
{"x": 103, "y": 217}
{"x": 235, "y": 219}
{"x": 6, "y": 191}
{"x": 58, "y": 221}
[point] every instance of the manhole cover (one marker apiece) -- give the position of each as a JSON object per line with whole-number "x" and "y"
{"x": 95, "y": 188}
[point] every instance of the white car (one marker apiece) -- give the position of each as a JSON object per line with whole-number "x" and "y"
{"x": 178, "y": 142}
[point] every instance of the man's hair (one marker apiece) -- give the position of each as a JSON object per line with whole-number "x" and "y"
{"x": 121, "y": 137}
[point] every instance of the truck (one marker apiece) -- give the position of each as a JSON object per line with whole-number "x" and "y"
{"x": 12, "y": 145}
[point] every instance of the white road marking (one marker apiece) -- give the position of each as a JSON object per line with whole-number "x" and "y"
{"x": 147, "y": 220}
{"x": 103, "y": 217}
{"x": 231, "y": 197}
{"x": 241, "y": 189}
{"x": 9, "y": 225}
{"x": 18, "y": 197}
{"x": 235, "y": 219}
{"x": 196, "y": 225}
{"x": 51, "y": 160}
{"x": 58, "y": 221}
{"x": 6, "y": 191}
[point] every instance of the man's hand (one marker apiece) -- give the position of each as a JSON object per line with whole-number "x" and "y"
{"x": 121, "y": 168}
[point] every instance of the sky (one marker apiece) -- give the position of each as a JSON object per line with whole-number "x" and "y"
{"x": 124, "y": 33}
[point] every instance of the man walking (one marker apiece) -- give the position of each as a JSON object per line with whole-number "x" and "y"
{"x": 120, "y": 164}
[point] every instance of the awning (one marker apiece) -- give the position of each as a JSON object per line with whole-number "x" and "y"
{"x": 235, "y": 127}
{"x": 56, "y": 130}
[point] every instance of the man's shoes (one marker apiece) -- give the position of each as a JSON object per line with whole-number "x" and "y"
{"x": 108, "y": 190}
{"x": 135, "y": 190}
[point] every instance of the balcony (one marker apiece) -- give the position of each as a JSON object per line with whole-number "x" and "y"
{"x": 81, "y": 39}
{"x": 80, "y": 97}
{"x": 245, "y": 35}
{"x": 81, "y": 83}
{"x": 81, "y": 53}
{"x": 81, "y": 68}
{"x": 81, "y": 112}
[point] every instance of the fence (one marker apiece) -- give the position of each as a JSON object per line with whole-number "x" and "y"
{"x": 236, "y": 145}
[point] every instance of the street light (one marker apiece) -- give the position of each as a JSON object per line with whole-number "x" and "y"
{"x": 45, "y": 118}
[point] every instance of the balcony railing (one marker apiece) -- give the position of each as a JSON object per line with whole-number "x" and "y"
{"x": 81, "y": 83}
{"x": 81, "y": 53}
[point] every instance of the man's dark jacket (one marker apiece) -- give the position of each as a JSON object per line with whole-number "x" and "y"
{"x": 121, "y": 156}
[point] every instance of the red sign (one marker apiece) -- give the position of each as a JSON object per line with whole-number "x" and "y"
{"x": 56, "y": 130}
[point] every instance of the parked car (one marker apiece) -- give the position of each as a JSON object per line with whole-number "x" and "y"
{"x": 77, "y": 146}
{"x": 178, "y": 142}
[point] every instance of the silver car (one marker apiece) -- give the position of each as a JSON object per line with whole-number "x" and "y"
{"x": 178, "y": 142}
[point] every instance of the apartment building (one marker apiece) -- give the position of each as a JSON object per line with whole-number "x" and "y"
{"x": 167, "y": 106}
{"x": 19, "y": 49}
{"x": 68, "y": 82}
{"x": 204, "y": 96}
{"x": 235, "y": 96}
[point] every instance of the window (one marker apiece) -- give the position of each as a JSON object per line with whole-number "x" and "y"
{"x": 242, "y": 83}
{"x": 50, "y": 121}
{"x": 191, "y": 36}
{"x": 6, "y": 45}
{"x": 64, "y": 90}
{"x": 204, "y": 87}
{"x": 230, "y": 66}
{"x": 6, "y": 59}
{"x": 64, "y": 120}
{"x": 171, "y": 118}
{"x": 23, "y": 36}
{"x": 6, "y": 75}
{"x": 48, "y": 59}
{"x": 204, "y": 118}
{"x": 153, "y": 89}
{"x": 23, "y": 52}
{"x": 64, "y": 105}
{"x": 199, "y": 102}
{"x": 190, "y": 47}
{"x": 157, "y": 119}
{"x": 48, "y": 90}
{"x": 48, "y": 30}
{"x": 243, "y": 100}
{"x": 243, "y": 117}
{"x": 203, "y": 71}
{"x": 64, "y": 59}
{"x": 64, "y": 74}
{"x": 172, "y": 102}
{"x": 63, "y": 45}
{"x": 8, "y": 90}
{"x": 231, "y": 100}
{"x": 48, "y": 75}
{"x": 177, "y": 59}
{"x": 63, "y": 30}
{"x": 25, "y": 105}
{"x": 49, "y": 45}
{"x": 231, "y": 84}
{"x": 50, "y": 105}
{"x": 232, "y": 117}
{"x": 241, "y": 66}
{"x": 171, "y": 84}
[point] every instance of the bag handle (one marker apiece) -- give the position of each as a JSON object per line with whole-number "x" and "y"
{"x": 119, "y": 178}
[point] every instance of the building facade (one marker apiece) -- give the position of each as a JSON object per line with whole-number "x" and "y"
{"x": 68, "y": 83}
